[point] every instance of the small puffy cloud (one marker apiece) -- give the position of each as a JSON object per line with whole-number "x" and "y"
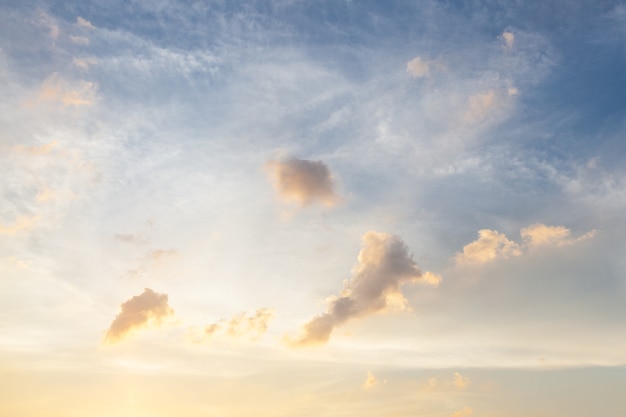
{"x": 492, "y": 245}
{"x": 161, "y": 254}
{"x": 508, "y": 38}
{"x": 489, "y": 246}
{"x": 56, "y": 89}
{"x": 418, "y": 68}
{"x": 84, "y": 23}
{"x": 384, "y": 266}
{"x": 460, "y": 381}
{"x": 251, "y": 326}
{"x": 45, "y": 194}
{"x": 370, "y": 380}
{"x": 465, "y": 412}
{"x": 142, "y": 311}
{"x": 480, "y": 105}
{"x": 431, "y": 385}
{"x": 79, "y": 40}
{"x": 302, "y": 181}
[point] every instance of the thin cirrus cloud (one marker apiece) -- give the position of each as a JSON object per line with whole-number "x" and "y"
{"x": 141, "y": 311}
{"x": 56, "y": 89}
{"x": 384, "y": 266}
{"x": 250, "y": 326}
{"x": 492, "y": 245}
{"x": 303, "y": 181}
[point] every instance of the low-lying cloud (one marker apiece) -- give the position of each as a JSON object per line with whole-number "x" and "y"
{"x": 142, "y": 311}
{"x": 384, "y": 266}
{"x": 302, "y": 181}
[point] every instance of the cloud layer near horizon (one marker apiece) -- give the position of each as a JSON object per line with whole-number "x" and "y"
{"x": 384, "y": 266}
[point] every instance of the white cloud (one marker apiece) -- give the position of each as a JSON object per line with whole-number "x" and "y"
{"x": 79, "y": 40}
{"x": 84, "y": 23}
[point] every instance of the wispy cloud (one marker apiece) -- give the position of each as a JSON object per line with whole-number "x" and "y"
{"x": 249, "y": 326}
{"x": 384, "y": 266}
{"x": 465, "y": 412}
{"x": 56, "y": 89}
{"x": 141, "y": 311}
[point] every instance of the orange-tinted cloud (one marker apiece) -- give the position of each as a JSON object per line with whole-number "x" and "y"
{"x": 384, "y": 266}
{"x": 250, "y": 326}
{"x": 21, "y": 224}
{"x": 465, "y": 412}
{"x": 56, "y": 89}
{"x": 492, "y": 245}
{"x": 302, "y": 181}
{"x": 141, "y": 311}
{"x": 36, "y": 150}
{"x": 370, "y": 380}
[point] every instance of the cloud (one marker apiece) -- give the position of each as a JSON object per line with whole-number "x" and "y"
{"x": 541, "y": 235}
{"x": 480, "y": 105}
{"x": 79, "y": 40}
{"x": 302, "y": 181}
{"x": 250, "y": 326}
{"x": 370, "y": 380}
{"x": 141, "y": 311}
{"x": 21, "y": 224}
{"x": 465, "y": 412}
{"x": 384, "y": 266}
{"x": 84, "y": 23}
{"x": 460, "y": 381}
{"x": 36, "y": 150}
{"x": 509, "y": 38}
{"x": 83, "y": 63}
{"x": 56, "y": 89}
{"x": 418, "y": 68}
{"x": 492, "y": 245}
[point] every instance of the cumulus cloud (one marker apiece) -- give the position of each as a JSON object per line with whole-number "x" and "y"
{"x": 384, "y": 266}
{"x": 142, "y": 311}
{"x": 302, "y": 181}
{"x": 465, "y": 412}
{"x": 508, "y": 38}
{"x": 418, "y": 68}
{"x": 251, "y": 326}
{"x": 492, "y": 245}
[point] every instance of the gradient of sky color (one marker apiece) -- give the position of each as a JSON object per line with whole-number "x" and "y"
{"x": 312, "y": 208}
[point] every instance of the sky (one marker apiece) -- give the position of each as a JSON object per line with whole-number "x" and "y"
{"x": 312, "y": 208}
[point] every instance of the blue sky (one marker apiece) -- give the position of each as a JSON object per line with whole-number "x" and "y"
{"x": 380, "y": 208}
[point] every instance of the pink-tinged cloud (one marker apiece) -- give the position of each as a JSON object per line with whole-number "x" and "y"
{"x": 145, "y": 310}
{"x": 418, "y": 67}
{"x": 302, "y": 181}
{"x": 384, "y": 266}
